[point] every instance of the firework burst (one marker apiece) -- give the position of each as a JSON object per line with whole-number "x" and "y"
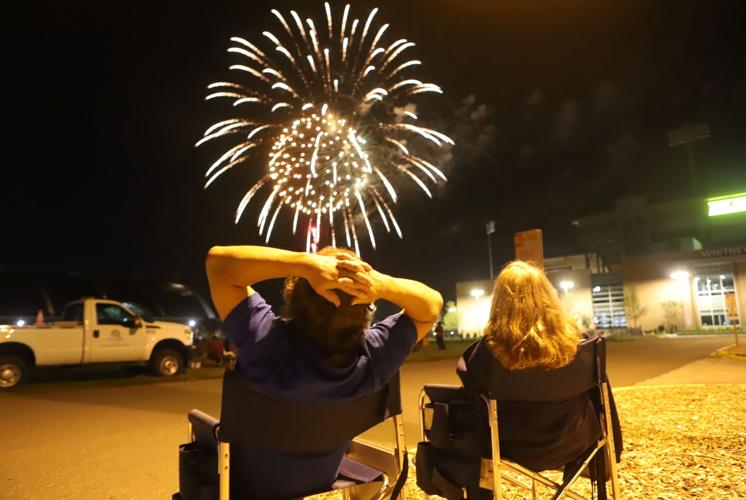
{"x": 326, "y": 110}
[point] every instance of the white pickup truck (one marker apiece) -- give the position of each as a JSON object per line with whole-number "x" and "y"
{"x": 93, "y": 331}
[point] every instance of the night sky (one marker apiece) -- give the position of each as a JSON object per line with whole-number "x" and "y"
{"x": 558, "y": 108}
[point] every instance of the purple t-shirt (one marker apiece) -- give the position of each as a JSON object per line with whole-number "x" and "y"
{"x": 269, "y": 354}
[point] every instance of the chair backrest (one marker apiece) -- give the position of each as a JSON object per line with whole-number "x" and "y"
{"x": 585, "y": 372}
{"x": 250, "y": 416}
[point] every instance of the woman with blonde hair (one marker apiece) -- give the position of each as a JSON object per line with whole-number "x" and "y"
{"x": 529, "y": 330}
{"x": 528, "y": 326}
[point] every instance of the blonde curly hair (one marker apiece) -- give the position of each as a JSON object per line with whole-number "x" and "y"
{"x": 528, "y": 327}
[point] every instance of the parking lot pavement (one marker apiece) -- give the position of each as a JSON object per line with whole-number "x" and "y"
{"x": 109, "y": 439}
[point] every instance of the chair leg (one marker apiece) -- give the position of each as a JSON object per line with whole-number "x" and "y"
{"x": 224, "y": 470}
{"x": 533, "y": 489}
{"x": 422, "y": 399}
{"x": 610, "y": 447}
{"x": 495, "y": 438}
{"x": 401, "y": 451}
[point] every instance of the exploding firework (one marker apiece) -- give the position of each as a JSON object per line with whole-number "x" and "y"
{"x": 330, "y": 113}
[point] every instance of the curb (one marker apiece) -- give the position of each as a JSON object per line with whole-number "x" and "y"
{"x": 670, "y": 386}
{"x": 724, "y": 354}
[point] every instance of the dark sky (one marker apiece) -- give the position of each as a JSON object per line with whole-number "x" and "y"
{"x": 572, "y": 101}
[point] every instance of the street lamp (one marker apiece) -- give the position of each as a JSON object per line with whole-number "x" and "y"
{"x": 680, "y": 275}
{"x": 476, "y": 293}
{"x": 566, "y": 285}
{"x": 722, "y": 297}
{"x": 708, "y": 284}
{"x": 490, "y": 228}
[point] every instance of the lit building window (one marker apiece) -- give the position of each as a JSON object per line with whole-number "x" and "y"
{"x": 608, "y": 305}
{"x": 714, "y": 286}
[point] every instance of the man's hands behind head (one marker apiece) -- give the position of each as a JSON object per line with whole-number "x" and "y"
{"x": 360, "y": 280}
{"x": 366, "y": 285}
{"x": 341, "y": 272}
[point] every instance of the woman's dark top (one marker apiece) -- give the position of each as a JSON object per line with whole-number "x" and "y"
{"x": 539, "y": 435}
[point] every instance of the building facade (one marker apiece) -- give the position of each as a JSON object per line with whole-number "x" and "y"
{"x": 671, "y": 267}
{"x": 704, "y": 289}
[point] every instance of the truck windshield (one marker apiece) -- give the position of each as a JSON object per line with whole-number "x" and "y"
{"x": 140, "y": 311}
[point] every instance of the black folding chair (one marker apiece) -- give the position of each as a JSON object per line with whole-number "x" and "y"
{"x": 585, "y": 374}
{"x": 253, "y": 418}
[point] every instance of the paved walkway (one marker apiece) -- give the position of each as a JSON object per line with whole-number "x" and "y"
{"x": 703, "y": 371}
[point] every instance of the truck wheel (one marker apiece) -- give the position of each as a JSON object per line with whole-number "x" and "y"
{"x": 13, "y": 371}
{"x": 167, "y": 362}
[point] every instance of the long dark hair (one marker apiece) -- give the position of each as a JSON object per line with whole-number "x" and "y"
{"x": 337, "y": 332}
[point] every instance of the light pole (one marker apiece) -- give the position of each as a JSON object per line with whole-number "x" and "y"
{"x": 722, "y": 297}
{"x": 490, "y": 228}
{"x": 566, "y": 286}
{"x": 685, "y": 136}
{"x": 709, "y": 300}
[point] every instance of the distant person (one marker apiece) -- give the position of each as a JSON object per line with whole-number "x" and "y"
{"x": 529, "y": 328}
{"x": 322, "y": 349}
{"x": 440, "y": 336}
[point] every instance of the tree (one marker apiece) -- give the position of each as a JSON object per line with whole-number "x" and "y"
{"x": 632, "y": 307}
{"x": 672, "y": 314}
{"x": 450, "y": 316}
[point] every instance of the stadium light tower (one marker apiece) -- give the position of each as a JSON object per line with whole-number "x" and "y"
{"x": 685, "y": 136}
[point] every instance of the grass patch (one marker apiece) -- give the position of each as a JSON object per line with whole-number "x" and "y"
{"x": 626, "y": 337}
{"x": 718, "y": 331}
{"x": 430, "y": 352}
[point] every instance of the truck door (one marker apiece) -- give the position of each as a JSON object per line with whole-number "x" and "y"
{"x": 67, "y": 338}
{"x": 115, "y": 335}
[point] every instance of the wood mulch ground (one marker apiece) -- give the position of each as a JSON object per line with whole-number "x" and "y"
{"x": 680, "y": 442}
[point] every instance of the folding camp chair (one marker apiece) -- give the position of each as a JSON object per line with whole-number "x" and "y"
{"x": 586, "y": 374}
{"x": 256, "y": 419}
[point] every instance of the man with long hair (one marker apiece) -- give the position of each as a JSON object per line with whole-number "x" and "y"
{"x": 323, "y": 349}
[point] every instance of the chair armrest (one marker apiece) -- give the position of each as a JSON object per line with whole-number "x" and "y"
{"x": 441, "y": 392}
{"x": 375, "y": 456}
{"x": 441, "y": 386}
{"x": 204, "y": 428}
